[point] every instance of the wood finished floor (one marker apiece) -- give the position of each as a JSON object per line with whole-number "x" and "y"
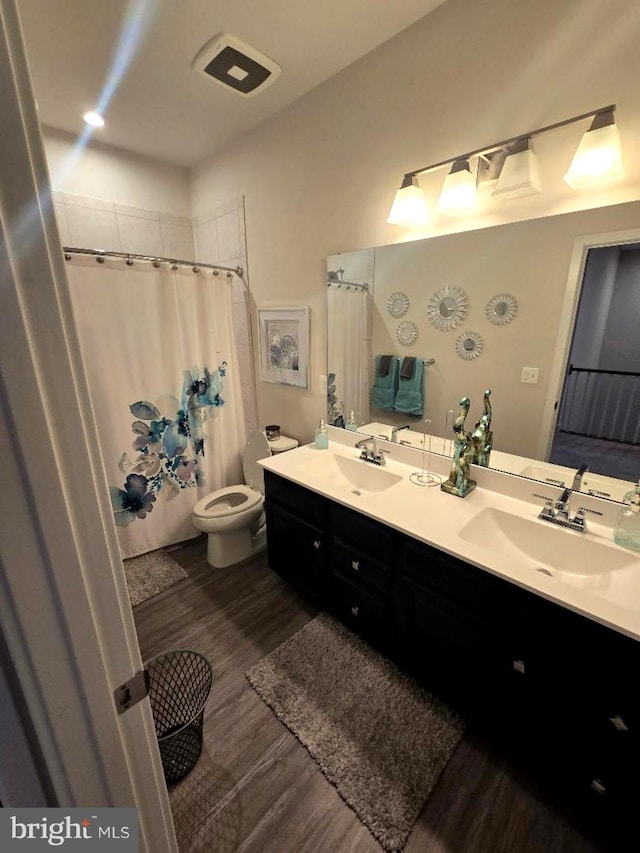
{"x": 256, "y": 789}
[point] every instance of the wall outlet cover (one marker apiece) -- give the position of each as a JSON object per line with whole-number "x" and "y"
{"x": 530, "y": 375}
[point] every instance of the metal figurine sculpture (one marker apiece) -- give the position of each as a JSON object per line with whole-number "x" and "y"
{"x": 482, "y": 435}
{"x": 459, "y": 483}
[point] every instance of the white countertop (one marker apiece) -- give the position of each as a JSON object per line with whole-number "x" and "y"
{"x": 431, "y": 516}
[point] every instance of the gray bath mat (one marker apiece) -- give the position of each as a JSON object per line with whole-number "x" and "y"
{"x": 375, "y": 733}
{"x": 151, "y": 573}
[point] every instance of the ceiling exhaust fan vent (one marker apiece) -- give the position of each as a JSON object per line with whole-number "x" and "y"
{"x": 235, "y": 65}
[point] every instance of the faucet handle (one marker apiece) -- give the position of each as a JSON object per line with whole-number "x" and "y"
{"x": 380, "y": 456}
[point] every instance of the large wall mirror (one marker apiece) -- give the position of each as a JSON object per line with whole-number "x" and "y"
{"x": 496, "y": 308}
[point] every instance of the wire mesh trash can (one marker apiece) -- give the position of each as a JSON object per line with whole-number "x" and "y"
{"x": 179, "y": 685}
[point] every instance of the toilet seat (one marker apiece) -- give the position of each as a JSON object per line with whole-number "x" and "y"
{"x": 227, "y": 502}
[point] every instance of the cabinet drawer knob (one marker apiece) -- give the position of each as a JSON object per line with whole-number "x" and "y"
{"x": 355, "y": 565}
{"x": 519, "y": 666}
{"x": 316, "y": 544}
{"x": 618, "y": 723}
{"x": 355, "y": 610}
{"x": 597, "y": 785}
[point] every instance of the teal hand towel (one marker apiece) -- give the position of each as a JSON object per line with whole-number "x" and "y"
{"x": 409, "y": 397}
{"x": 384, "y": 389}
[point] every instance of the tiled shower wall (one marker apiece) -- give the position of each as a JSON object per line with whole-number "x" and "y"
{"x": 217, "y": 237}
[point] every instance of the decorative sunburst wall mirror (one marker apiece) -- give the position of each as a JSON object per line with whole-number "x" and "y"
{"x": 501, "y": 309}
{"x": 469, "y": 345}
{"x": 447, "y": 308}
{"x": 398, "y": 304}
{"x": 407, "y": 333}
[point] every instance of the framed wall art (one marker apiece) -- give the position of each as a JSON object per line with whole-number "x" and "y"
{"x": 284, "y": 345}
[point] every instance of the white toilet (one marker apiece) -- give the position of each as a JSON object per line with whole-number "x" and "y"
{"x": 234, "y": 516}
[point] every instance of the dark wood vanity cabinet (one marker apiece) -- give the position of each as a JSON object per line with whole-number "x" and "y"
{"x": 362, "y": 567}
{"x": 297, "y": 543}
{"x": 559, "y": 687}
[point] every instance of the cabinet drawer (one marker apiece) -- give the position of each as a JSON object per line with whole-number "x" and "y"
{"x": 298, "y": 500}
{"x": 365, "y": 611}
{"x": 478, "y": 590}
{"x": 367, "y": 535}
{"x": 358, "y": 567}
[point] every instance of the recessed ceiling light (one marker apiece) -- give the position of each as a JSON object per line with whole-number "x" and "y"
{"x": 94, "y": 119}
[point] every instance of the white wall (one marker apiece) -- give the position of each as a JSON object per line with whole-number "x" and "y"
{"x": 319, "y": 177}
{"x": 113, "y": 174}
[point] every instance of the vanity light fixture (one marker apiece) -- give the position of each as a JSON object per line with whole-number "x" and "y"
{"x": 459, "y": 193}
{"x": 512, "y": 163}
{"x": 598, "y": 158}
{"x": 94, "y": 119}
{"x": 409, "y": 208}
{"x": 520, "y": 175}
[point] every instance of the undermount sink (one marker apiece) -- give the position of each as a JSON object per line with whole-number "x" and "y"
{"x": 345, "y": 472}
{"x": 570, "y": 557}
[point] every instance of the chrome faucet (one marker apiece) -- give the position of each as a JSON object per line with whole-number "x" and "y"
{"x": 563, "y": 504}
{"x": 396, "y": 430}
{"x": 559, "y": 511}
{"x": 577, "y": 480}
{"x": 369, "y": 451}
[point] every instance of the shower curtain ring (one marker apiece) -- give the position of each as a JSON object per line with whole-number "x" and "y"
{"x": 67, "y": 256}
{"x": 174, "y": 266}
{"x": 129, "y": 261}
{"x": 216, "y": 272}
{"x": 229, "y": 274}
{"x": 99, "y": 259}
{"x": 156, "y": 263}
{"x": 195, "y": 268}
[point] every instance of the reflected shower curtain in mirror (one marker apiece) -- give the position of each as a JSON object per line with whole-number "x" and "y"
{"x": 349, "y": 353}
{"x": 161, "y": 364}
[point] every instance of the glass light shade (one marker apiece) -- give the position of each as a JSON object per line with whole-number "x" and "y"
{"x": 598, "y": 159}
{"x": 459, "y": 193}
{"x": 94, "y": 119}
{"x": 519, "y": 177}
{"x": 409, "y": 208}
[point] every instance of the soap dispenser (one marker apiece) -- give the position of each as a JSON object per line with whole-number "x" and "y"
{"x": 352, "y": 424}
{"x": 322, "y": 436}
{"x": 627, "y": 530}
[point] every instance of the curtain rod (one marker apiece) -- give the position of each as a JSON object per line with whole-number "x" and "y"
{"x": 100, "y": 256}
{"x": 339, "y": 281}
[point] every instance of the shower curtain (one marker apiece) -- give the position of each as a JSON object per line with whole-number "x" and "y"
{"x": 160, "y": 358}
{"x": 349, "y": 353}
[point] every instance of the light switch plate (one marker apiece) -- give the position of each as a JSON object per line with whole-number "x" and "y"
{"x": 529, "y": 374}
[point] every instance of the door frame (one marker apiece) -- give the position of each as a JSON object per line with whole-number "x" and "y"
{"x": 67, "y": 631}
{"x": 568, "y": 315}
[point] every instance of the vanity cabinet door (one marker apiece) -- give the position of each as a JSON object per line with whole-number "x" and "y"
{"x": 451, "y": 650}
{"x": 296, "y": 550}
{"x": 363, "y": 610}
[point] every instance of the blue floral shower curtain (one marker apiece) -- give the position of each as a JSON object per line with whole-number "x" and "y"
{"x": 160, "y": 357}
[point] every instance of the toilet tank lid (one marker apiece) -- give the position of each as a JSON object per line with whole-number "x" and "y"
{"x": 257, "y": 447}
{"x": 279, "y": 445}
